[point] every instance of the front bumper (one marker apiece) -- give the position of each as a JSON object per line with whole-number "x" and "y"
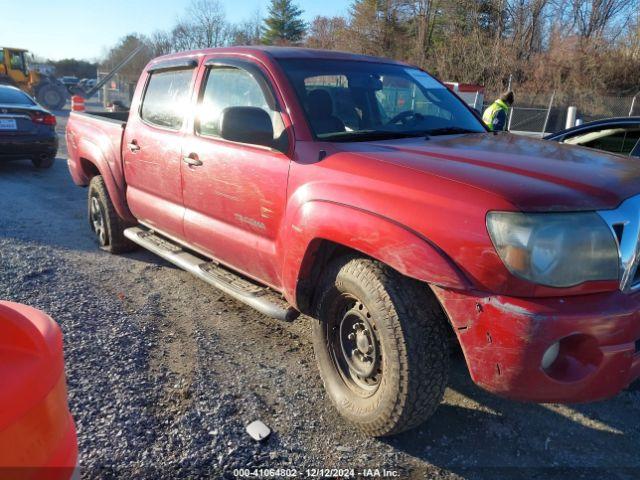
{"x": 504, "y": 340}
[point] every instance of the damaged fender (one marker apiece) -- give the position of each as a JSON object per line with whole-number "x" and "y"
{"x": 378, "y": 237}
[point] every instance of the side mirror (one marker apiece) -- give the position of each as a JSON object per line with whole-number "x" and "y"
{"x": 246, "y": 125}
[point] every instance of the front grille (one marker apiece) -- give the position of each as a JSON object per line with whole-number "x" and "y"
{"x": 624, "y": 223}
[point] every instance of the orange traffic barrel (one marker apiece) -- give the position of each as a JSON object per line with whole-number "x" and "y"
{"x": 37, "y": 433}
{"x": 77, "y": 103}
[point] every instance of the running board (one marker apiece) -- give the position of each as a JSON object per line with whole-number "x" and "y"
{"x": 261, "y": 298}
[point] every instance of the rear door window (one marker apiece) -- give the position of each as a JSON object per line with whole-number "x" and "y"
{"x": 166, "y": 99}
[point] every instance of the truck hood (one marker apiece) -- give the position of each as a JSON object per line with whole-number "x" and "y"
{"x": 531, "y": 174}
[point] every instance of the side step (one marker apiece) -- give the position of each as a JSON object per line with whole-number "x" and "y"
{"x": 261, "y": 298}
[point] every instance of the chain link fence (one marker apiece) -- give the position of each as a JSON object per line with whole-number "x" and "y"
{"x": 547, "y": 113}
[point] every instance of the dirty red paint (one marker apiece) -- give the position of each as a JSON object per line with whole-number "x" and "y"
{"x": 504, "y": 341}
{"x": 417, "y": 205}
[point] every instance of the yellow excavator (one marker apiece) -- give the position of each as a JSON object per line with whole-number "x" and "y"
{"x": 46, "y": 89}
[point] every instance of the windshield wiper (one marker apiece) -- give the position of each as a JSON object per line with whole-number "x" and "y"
{"x": 449, "y": 131}
{"x": 368, "y": 135}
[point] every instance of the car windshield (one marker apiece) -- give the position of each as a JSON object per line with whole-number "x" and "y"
{"x": 346, "y": 100}
{"x": 12, "y": 96}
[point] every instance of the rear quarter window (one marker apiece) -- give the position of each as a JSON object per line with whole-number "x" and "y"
{"x": 166, "y": 98}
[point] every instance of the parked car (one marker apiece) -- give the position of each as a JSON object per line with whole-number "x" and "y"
{"x": 362, "y": 192}
{"x": 615, "y": 135}
{"x": 27, "y": 130}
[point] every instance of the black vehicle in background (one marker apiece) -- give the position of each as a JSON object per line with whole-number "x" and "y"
{"x": 614, "y": 135}
{"x": 27, "y": 129}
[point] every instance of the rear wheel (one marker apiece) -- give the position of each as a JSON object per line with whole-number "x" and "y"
{"x": 104, "y": 221}
{"x": 381, "y": 346}
{"x": 46, "y": 162}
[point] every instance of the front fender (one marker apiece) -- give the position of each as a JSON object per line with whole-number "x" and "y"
{"x": 378, "y": 237}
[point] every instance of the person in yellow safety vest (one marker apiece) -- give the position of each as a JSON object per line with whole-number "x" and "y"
{"x": 497, "y": 114}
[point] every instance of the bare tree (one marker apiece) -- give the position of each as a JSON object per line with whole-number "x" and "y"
{"x": 596, "y": 18}
{"x": 327, "y": 33}
{"x": 207, "y": 21}
{"x": 577, "y": 47}
{"x": 122, "y": 49}
{"x": 248, "y": 32}
{"x": 161, "y": 43}
{"x": 423, "y": 16}
{"x": 184, "y": 37}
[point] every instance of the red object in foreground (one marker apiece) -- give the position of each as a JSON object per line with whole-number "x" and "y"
{"x": 37, "y": 433}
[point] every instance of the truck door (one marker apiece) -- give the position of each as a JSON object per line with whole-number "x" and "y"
{"x": 152, "y": 147}
{"x": 235, "y": 193}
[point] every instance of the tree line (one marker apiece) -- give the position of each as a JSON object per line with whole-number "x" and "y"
{"x": 576, "y": 47}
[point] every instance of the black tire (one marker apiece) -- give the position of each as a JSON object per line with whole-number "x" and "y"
{"x": 401, "y": 325}
{"x": 52, "y": 96}
{"x": 104, "y": 221}
{"x": 43, "y": 163}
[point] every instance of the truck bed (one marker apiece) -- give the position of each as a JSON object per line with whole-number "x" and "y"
{"x": 118, "y": 117}
{"x": 98, "y": 135}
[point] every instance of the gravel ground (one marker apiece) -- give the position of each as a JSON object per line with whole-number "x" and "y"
{"x": 164, "y": 372}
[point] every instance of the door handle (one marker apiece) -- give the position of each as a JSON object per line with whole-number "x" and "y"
{"x": 133, "y": 146}
{"x": 192, "y": 160}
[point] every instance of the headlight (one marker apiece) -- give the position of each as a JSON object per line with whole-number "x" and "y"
{"x": 555, "y": 249}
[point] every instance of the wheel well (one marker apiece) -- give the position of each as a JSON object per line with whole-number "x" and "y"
{"x": 89, "y": 168}
{"x": 319, "y": 253}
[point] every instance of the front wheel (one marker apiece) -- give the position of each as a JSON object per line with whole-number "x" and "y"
{"x": 381, "y": 346}
{"x": 104, "y": 221}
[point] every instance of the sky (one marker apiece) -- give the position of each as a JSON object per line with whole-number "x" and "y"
{"x": 85, "y": 29}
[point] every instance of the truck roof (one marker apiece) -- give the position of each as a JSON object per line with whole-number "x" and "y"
{"x": 280, "y": 52}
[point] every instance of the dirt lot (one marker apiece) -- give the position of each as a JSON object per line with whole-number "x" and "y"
{"x": 164, "y": 372}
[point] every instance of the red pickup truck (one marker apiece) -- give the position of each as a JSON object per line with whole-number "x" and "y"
{"x": 362, "y": 192}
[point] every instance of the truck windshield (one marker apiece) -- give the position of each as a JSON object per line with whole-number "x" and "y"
{"x": 347, "y": 100}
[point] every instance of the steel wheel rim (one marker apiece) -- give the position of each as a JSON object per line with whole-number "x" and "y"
{"x": 97, "y": 220}
{"x": 355, "y": 347}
